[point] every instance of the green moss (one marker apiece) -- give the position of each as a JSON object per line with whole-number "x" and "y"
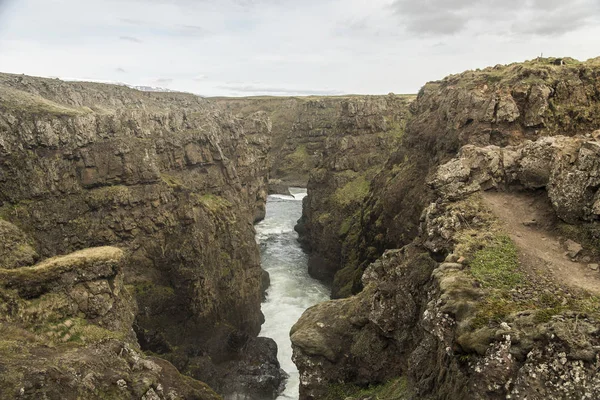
{"x": 345, "y": 226}
{"x": 324, "y": 218}
{"x": 214, "y": 203}
{"x": 352, "y": 192}
{"x": 172, "y": 181}
{"x": 497, "y": 264}
{"x": 396, "y": 389}
{"x": 299, "y": 156}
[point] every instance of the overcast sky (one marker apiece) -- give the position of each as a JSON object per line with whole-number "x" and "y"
{"x": 284, "y": 47}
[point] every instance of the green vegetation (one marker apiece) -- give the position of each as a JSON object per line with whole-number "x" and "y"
{"x": 214, "y": 203}
{"x": 497, "y": 264}
{"x": 396, "y": 389}
{"x": 352, "y": 192}
{"x": 299, "y": 157}
{"x": 172, "y": 181}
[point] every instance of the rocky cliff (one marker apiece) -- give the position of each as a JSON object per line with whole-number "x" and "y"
{"x": 481, "y": 240}
{"x": 300, "y": 128}
{"x": 334, "y": 146}
{"x": 364, "y": 133}
{"x": 172, "y": 181}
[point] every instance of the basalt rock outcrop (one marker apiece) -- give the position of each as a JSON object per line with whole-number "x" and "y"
{"x": 170, "y": 179}
{"x": 501, "y": 106}
{"x": 300, "y": 128}
{"x": 66, "y": 332}
{"x": 451, "y": 305}
{"x": 365, "y": 132}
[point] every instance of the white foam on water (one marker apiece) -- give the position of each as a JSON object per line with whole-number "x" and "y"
{"x": 292, "y": 290}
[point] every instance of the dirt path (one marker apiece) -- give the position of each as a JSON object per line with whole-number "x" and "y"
{"x": 529, "y": 220}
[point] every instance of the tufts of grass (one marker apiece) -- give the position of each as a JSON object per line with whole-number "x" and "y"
{"x": 352, "y": 192}
{"x": 496, "y": 265}
{"x": 395, "y": 389}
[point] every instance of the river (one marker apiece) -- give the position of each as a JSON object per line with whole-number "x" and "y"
{"x": 292, "y": 290}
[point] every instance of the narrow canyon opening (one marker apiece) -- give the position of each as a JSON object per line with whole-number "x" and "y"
{"x": 291, "y": 290}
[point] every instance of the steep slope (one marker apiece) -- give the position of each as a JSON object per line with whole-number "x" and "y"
{"x": 170, "y": 179}
{"x": 300, "y": 128}
{"x": 364, "y": 133}
{"x": 66, "y": 330}
{"x": 458, "y": 309}
{"x": 499, "y": 105}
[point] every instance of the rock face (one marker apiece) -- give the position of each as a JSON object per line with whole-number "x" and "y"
{"x": 365, "y": 132}
{"x": 170, "y": 179}
{"x": 300, "y": 128}
{"x": 66, "y": 332}
{"x": 495, "y": 106}
{"x": 448, "y": 305}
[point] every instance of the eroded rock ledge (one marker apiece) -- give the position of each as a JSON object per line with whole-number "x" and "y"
{"x": 66, "y": 332}
{"x": 170, "y": 179}
{"x": 452, "y": 307}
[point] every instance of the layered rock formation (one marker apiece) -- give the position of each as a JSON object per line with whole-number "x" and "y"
{"x": 365, "y": 132}
{"x": 300, "y": 128}
{"x": 172, "y": 181}
{"x": 66, "y": 330}
{"x": 334, "y": 146}
{"x": 464, "y": 306}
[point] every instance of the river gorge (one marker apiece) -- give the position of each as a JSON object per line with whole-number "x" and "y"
{"x": 137, "y": 230}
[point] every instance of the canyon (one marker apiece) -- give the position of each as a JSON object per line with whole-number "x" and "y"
{"x": 130, "y": 268}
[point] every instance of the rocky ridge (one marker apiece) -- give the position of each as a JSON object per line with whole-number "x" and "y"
{"x": 365, "y": 132}
{"x": 172, "y": 181}
{"x": 452, "y": 307}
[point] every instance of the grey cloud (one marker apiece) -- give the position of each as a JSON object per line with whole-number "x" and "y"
{"x": 172, "y": 30}
{"x": 120, "y": 70}
{"x": 130, "y": 39}
{"x": 531, "y": 17}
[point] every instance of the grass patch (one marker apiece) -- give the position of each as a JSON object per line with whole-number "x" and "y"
{"x": 353, "y": 191}
{"x": 396, "y": 389}
{"x": 496, "y": 265}
{"x": 19, "y": 101}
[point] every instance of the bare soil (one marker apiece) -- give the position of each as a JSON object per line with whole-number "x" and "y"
{"x": 530, "y": 221}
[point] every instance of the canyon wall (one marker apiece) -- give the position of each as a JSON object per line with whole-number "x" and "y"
{"x": 173, "y": 182}
{"x": 457, "y": 300}
{"x": 301, "y": 126}
{"x": 365, "y": 132}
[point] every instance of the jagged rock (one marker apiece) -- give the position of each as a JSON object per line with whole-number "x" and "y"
{"x": 503, "y": 128}
{"x": 365, "y": 130}
{"x": 573, "y": 248}
{"x": 170, "y": 178}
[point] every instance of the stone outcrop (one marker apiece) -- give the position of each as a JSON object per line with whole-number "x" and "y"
{"x": 499, "y": 106}
{"x": 66, "y": 332}
{"x": 447, "y": 304}
{"x": 170, "y": 179}
{"x": 365, "y": 132}
{"x": 300, "y": 128}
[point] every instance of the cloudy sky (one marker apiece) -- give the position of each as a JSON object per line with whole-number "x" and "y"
{"x": 284, "y": 47}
